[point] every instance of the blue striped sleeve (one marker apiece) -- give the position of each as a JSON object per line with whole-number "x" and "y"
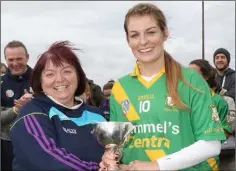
{"x": 34, "y": 141}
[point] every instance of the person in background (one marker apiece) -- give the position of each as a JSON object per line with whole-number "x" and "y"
{"x": 169, "y": 105}
{"x": 225, "y": 75}
{"x": 105, "y": 104}
{"x": 3, "y": 68}
{"x": 107, "y": 88}
{"x": 209, "y": 74}
{"x": 96, "y": 91}
{"x": 53, "y": 130}
{"x": 87, "y": 96}
{"x": 202, "y": 66}
{"x": 14, "y": 94}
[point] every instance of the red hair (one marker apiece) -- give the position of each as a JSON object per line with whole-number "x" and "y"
{"x": 57, "y": 53}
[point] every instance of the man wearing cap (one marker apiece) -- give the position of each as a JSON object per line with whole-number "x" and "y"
{"x": 226, "y": 78}
{"x": 226, "y": 75}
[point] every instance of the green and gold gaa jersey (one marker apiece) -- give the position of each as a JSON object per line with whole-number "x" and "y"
{"x": 223, "y": 110}
{"x": 160, "y": 128}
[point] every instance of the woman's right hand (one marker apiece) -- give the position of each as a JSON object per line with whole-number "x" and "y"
{"x": 108, "y": 158}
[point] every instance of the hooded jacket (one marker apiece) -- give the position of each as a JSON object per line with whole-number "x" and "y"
{"x": 227, "y": 81}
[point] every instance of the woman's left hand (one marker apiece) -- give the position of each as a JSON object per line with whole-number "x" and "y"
{"x": 143, "y": 165}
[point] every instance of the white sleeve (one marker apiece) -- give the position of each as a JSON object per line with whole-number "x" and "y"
{"x": 189, "y": 156}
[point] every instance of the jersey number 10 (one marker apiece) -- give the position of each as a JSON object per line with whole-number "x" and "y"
{"x": 144, "y": 106}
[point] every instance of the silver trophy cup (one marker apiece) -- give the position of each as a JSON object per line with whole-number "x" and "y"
{"x": 113, "y": 136}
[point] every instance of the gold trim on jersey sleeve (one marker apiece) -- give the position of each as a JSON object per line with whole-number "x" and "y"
{"x": 213, "y": 164}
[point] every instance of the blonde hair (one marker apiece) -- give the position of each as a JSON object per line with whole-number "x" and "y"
{"x": 172, "y": 67}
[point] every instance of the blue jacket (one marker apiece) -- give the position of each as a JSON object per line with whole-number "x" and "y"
{"x": 47, "y": 136}
{"x": 12, "y": 87}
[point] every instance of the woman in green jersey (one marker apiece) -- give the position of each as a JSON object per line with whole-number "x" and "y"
{"x": 208, "y": 72}
{"x": 227, "y": 155}
{"x": 176, "y": 124}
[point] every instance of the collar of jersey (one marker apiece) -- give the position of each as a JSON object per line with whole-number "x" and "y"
{"x": 147, "y": 84}
{"x": 136, "y": 71}
{"x": 212, "y": 93}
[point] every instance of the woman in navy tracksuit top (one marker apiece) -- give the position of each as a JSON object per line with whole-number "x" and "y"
{"x": 53, "y": 130}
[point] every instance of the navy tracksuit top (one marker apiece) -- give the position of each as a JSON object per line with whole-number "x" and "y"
{"x": 48, "y": 136}
{"x": 12, "y": 87}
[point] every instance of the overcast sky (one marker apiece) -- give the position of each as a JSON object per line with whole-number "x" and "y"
{"x": 97, "y": 28}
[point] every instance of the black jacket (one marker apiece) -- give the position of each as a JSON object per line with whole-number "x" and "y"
{"x": 229, "y": 83}
{"x": 12, "y": 87}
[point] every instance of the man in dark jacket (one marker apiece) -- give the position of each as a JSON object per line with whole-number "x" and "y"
{"x": 226, "y": 75}
{"x": 14, "y": 85}
{"x": 226, "y": 78}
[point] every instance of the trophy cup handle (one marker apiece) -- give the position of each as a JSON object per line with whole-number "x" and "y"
{"x": 126, "y": 135}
